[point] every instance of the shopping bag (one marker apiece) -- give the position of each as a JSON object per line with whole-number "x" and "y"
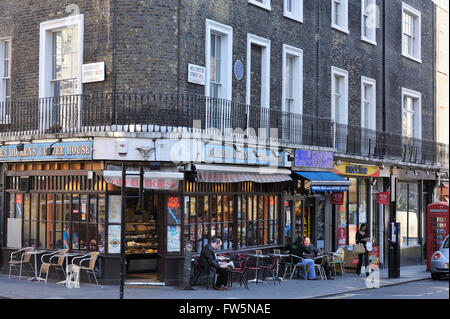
{"x": 359, "y": 249}
{"x": 369, "y": 246}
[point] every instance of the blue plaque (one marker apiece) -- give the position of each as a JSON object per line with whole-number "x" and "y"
{"x": 238, "y": 70}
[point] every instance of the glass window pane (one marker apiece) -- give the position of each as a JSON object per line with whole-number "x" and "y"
{"x": 402, "y": 209}
{"x": 352, "y": 211}
{"x": 413, "y": 218}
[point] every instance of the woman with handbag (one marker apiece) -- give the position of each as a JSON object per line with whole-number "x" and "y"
{"x": 362, "y": 237}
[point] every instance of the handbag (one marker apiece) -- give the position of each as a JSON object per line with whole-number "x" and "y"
{"x": 359, "y": 249}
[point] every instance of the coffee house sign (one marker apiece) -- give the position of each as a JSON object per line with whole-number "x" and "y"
{"x": 47, "y": 151}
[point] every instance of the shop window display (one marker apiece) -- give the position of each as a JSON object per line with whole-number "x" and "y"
{"x": 45, "y": 215}
{"x": 408, "y": 213}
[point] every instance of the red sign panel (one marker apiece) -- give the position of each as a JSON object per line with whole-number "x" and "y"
{"x": 383, "y": 198}
{"x": 337, "y": 198}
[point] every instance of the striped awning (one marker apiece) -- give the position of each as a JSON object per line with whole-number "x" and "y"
{"x": 237, "y": 174}
{"x": 228, "y": 177}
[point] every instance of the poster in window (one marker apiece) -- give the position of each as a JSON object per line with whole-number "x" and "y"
{"x": 173, "y": 239}
{"x": 114, "y": 239}
{"x": 114, "y": 209}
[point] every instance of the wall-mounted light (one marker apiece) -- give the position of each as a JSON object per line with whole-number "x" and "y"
{"x": 382, "y": 166}
{"x": 20, "y": 147}
{"x": 338, "y": 162}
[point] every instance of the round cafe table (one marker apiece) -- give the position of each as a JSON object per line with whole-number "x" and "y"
{"x": 35, "y": 253}
{"x": 258, "y": 258}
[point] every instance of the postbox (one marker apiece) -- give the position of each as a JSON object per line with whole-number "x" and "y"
{"x": 437, "y": 227}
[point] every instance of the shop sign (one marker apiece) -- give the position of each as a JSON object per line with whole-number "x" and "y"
{"x": 414, "y": 174}
{"x": 38, "y": 151}
{"x": 316, "y": 159}
{"x": 374, "y": 257}
{"x": 149, "y": 183}
{"x": 114, "y": 239}
{"x": 227, "y": 154}
{"x": 383, "y": 198}
{"x": 196, "y": 74}
{"x": 342, "y": 236}
{"x": 356, "y": 170}
{"x": 337, "y": 198}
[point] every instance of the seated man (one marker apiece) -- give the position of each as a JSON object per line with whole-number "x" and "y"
{"x": 208, "y": 261}
{"x": 309, "y": 252}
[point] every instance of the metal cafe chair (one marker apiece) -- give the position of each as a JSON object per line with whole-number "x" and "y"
{"x": 337, "y": 258}
{"x": 25, "y": 258}
{"x": 58, "y": 265}
{"x": 300, "y": 263}
{"x": 91, "y": 258}
{"x": 321, "y": 267}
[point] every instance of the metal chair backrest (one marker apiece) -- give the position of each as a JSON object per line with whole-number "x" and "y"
{"x": 277, "y": 252}
{"x": 61, "y": 258}
{"x": 94, "y": 256}
{"x": 242, "y": 256}
{"x": 340, "y": 252}
{"x": 274, "y": 261}
{"x": 323, "y": 261}
{"x": 26, "y": 258}
{"x": 258, "y": 252}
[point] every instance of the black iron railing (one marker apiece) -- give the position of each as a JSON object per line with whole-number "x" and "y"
{"x": 127, "y": 112}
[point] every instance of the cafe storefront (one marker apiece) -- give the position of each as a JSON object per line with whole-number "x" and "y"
{"x": 307, "y": 207}
{"x": 358, "y": 205}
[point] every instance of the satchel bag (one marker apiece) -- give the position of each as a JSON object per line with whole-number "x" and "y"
{"x": 359, "y": 249}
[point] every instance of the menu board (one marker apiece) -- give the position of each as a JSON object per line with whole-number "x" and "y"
{"x": 114, "y": 209}
{"x": 186, "y": 280}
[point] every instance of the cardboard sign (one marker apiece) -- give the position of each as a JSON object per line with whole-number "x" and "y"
{"x": 383, "y": 198}
{"x": 337, "y": 198}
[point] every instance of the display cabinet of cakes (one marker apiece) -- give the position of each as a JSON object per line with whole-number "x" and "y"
{"x": 141, "y": 238}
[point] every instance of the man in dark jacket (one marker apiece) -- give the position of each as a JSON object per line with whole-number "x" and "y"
{"x": 208, "y": 262}
{"x": 308, "y": 251}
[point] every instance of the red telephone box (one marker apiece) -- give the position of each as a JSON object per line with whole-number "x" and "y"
{"x": 437, "y": 227}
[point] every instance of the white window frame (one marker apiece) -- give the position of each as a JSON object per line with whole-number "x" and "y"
{"x": 227, "y": 59}
{"x": 344, "y": 26}
{"x": 265, "y": 4}
{"x": 297, "y": 80}
{"x": 373, "y": 101}
{"x": 3, "y": 42}
{"x": 342, "y": 73}
{"x": 418, "y": 118}
{"x": 45, "y": 53}
{"x": 265, "y": 68}
{"x": 417, "y": 20}
{"x": 372, "y": 17}
{"x": 297, "y": 11}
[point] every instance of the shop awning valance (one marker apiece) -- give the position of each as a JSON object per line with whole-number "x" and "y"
{"x": 236, "y": 174}
{"x": 162, "y": 180}
{"x": 326, "y": 181}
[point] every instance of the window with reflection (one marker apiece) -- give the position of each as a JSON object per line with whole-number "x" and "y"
{"x": 52, "y": 220}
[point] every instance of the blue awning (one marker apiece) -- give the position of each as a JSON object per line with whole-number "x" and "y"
{"x": 326, "y": 181}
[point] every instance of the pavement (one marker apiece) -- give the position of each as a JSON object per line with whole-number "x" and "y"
{"x": 288, "y": 289}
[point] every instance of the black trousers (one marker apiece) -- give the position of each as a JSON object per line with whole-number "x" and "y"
{"x": 362, "y": 257}
{"x": 222, "y": 277}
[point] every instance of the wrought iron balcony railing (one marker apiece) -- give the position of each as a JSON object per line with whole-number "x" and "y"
{"x": 126, "y": 112}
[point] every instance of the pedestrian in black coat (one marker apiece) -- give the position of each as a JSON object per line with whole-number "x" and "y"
{"x": 361, "y": 238}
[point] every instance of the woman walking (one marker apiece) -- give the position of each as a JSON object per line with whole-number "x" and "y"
{"x": 362, "y": 237}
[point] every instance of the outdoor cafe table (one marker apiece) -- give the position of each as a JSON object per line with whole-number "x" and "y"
{"x": 258, "y": 257}
{"x": 278, "y": 263}
{"x": 35, "y": 253}
{"x": 68, "y": 268}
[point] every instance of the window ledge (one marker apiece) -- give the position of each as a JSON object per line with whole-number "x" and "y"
{"x": 418, "y": 60}
{"x": 261, "y": 5}
{"x": 367, "y": 40}
{"x": 339, "y": 28}
{"x": 293, "y": 17}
